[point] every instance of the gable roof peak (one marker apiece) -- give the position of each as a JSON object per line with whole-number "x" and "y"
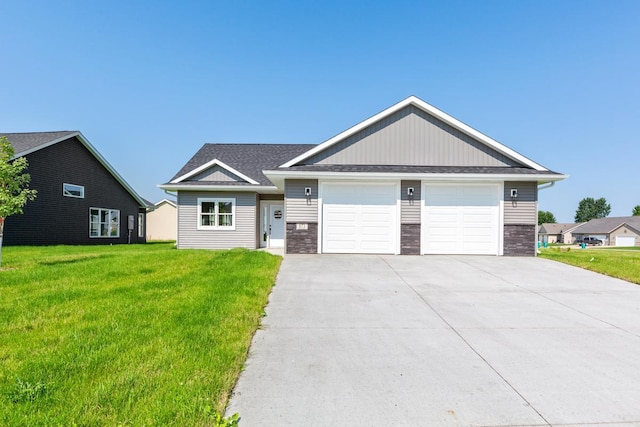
{"x": 434, "y": 112}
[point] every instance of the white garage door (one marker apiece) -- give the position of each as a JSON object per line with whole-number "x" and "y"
{"x": 359, "y": 218}
{"x": 625, "y": 241}
{"x": 461, "y": 219}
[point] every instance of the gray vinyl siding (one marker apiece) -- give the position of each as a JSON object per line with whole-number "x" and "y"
{"x": 411, "y": 137}
{"x": 410, "y": 207}
{"x": 216, "y": 173}
{"x": 298, "y": 207}
{"x": 524, "y": 210}
{"x": 244, "y": 236}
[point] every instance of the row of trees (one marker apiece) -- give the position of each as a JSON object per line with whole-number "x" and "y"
{"x": 588, "y": 209}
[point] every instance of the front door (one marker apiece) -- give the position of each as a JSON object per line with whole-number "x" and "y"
{"x": 276, "y": 226}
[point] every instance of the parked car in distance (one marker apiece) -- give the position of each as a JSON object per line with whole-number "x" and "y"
{"x": 590, "y": 241}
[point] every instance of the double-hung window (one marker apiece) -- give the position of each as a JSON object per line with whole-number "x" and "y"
{"x": 104, "y": 222}
{"x": 216, "y": 214}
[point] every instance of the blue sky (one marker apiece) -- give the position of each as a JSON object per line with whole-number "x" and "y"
{"x": 148, "y": 82}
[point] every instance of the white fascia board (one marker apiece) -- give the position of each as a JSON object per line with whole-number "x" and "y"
{"x": 226, "y": 188}
{"x": 111, "y": 169}
{"x": 170, "y": 202}
{"x": 45, "y": 145}
{"x": 215, "y": 162}
{"x": 430, "y": 109}
{"x": 84, "y": 141}
{"x": 412, "y": 175}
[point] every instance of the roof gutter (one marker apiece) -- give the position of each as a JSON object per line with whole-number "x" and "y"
{"x": 546, "y": 185}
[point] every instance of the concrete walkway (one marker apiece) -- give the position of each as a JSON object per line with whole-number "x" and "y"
{"x": 360, "y": 340}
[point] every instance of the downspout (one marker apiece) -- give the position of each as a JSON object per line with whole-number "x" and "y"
{"x": 177, "y": 210}
{"x": 548, "y": 185}
{"x": 542, "y": 187}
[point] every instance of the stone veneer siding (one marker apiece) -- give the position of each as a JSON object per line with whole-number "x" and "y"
{"x": 410, "y": 239}
{"x": 302, "y": 241}
{"x": 519, "y": 240}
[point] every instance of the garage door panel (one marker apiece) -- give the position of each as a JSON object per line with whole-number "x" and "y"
{"x": 371, "y": 223}
{"x": 461, "y": 219}
{"x": 625, "y": 240}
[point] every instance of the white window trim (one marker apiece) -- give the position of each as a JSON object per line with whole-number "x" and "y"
{"x": 216, "y": 200}
{"x": 66, "y": 194}
{"x": 109, "y": 210}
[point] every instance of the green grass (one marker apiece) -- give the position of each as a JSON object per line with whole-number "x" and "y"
{"x": 623, "y": 263}
{"x": 125, "y": 335}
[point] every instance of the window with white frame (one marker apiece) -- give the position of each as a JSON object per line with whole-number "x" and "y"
{"x": 72, "y": 190}
{"x": 216, "y": 214}
{"x": 141, "y": 225}
{"x": 104, "y": 222}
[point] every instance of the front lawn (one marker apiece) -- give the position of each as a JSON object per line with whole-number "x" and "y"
{"x": 125, "y": 335}
{"x": 623, "y": 263}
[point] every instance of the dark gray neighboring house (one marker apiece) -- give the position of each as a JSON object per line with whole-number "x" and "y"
{"x": 409, "y": 180}
{"x": 613, "y": 231}
{"x": 81, "y": 198}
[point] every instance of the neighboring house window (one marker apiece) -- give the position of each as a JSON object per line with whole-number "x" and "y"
{"x": 72, "y": 190}
{"x": 104, "y": 222}
{"x": 216, "y": 214}
{"x": 140, "y": 225}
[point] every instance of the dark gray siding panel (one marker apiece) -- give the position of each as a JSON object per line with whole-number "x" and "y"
{"x": 410, "y": 206}
{"x": 244, "y": 236}
{"x": 411, "y": 137}
{"x": 53, "y": 219}
{"x": 298, "y": 207}
{"x": 524, "y": 209}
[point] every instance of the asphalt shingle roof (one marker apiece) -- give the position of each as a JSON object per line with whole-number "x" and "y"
{"x": 607, "y": 225}
{"x": 26, "y": 141}
{"x": 249, "y": 159}
{"x": 559, "y": 228}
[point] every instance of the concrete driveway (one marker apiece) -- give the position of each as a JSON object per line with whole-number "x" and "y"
{"x": 361, "y": 340}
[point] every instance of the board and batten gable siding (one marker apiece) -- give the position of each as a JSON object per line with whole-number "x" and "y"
{"x": 524, "y": 209}
{"x": 216, "y": 174}
{"x": 244, "y": 236}
{"x": 298, "y": 207}
{"x": 410, "y": 209}
{"x": 414, "y": 138}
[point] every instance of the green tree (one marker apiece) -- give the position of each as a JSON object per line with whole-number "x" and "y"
{"x": 14, "y": 185}
{"x": 546, "y": 217}
{"x": 636, "y": 211}
{"x": 590, "y": 208}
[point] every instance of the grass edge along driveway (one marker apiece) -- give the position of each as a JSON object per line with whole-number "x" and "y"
{"x": 622, "y": 263}
{"x": 126, "y": 335}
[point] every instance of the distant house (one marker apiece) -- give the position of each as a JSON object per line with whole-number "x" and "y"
{"x": 162, "y": 221}
{"x": 613, "y": 231}
{"x": 409, "y": 180}
{"x": 81, "y": 198}
{"x": 557, "y": 233}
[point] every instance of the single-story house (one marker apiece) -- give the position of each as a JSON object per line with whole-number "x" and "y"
{"x": 557, "y": 233}
{"x": 408, "y": 180}
{"x": 613, "y": 231}
{"x": 162, "y": 221}
{"x": 81, "y": 198}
